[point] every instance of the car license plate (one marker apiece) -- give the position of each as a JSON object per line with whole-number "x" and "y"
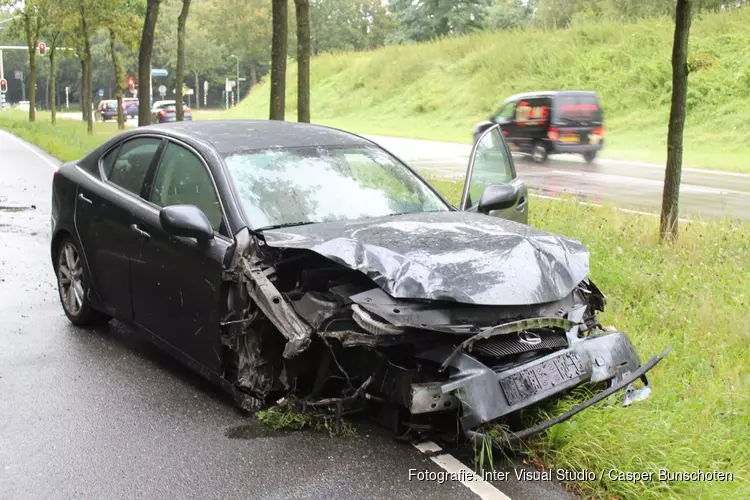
{"x": 570, "y": 138}
{"x": 542, "y": 377}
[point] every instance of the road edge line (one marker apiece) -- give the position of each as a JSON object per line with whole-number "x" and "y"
{"x": 483, "y": 489}
{"x": 33, "y": 149}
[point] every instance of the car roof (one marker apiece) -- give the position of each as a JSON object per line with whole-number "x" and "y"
{"x": 548, "y": 93}
{"x": 233, "y": 136}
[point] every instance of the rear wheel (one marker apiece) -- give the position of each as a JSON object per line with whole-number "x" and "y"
{"x": 589, "y": 156}
{"x": 539, "y": 152}
{"x": 72, "y": 286}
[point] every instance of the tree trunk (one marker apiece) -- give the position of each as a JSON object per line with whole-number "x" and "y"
{"x": 673, "y": 171}
{"x": 87, "y": 71}
{"x": 31, "y": 44}
{"x": 84, "y": 91}
{"x": 119, "y": 79}
{"x": 197, "y": 91}
{"x": 144, "y": 62}
{"x": 278, "y": 60}
{"x": 303, "y": 60}
{"x": 180, "y": 70}
{"x": 253, "y": 76}
{"x": 52, "y": 81}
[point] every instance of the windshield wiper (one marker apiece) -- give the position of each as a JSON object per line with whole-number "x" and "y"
{"x": 285, "y": 224}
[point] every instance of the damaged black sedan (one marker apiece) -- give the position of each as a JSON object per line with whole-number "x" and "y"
{"x": 282, "y": 259}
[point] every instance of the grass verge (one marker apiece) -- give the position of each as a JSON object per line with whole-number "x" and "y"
{"x": 439, "y": 90}
{"x": 693, "y": 295}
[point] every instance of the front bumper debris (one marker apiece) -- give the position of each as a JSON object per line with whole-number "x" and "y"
{"x": 486, "y": 395}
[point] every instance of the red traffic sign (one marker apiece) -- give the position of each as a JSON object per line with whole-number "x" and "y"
{"x": 42, "y": 48}
{"x": 3, "y": 85}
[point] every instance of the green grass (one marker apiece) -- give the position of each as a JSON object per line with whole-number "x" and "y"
{"x": 693, "y": 296}
{"x": 65, "y": 141}
{"x": 439, "y": 90}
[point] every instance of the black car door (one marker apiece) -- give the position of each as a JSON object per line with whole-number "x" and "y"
{"x": 491, "y": 163}
{"x": 177, "y": 281}
{"x": 103, "y": 216}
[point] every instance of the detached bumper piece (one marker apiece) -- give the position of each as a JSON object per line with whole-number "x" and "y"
{"x": 486, "y": 394}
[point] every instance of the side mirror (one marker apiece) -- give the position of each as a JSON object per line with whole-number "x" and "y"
{"x": 186, "y": 220}
{"x": 497, "y": 197}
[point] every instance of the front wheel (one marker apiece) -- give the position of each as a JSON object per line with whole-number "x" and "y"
{"x": 589, "y": 156}
{"x": 539, "y": 152}
{"x": 72, "y": 286}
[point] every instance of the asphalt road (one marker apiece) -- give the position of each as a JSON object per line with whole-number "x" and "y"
{"x": 103, "y": 414}
{"x": 633, "y": 185}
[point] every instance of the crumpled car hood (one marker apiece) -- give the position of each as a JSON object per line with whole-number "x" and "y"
{"x": 454, "y": 256}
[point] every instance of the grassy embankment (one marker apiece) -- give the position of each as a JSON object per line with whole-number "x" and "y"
{"x": 693, "y": 296}
{"x": 439, "y": 90}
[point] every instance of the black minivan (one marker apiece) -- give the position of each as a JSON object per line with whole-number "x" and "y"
{"x": 544, "y": 123}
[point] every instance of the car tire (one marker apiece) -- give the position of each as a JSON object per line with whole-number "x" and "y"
{"x": 72, "y": 286}
{"x": 539, "y": 152}
{"x": 589, "y": 156}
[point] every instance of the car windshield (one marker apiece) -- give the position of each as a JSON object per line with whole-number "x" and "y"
{"x": 322, "y": 184}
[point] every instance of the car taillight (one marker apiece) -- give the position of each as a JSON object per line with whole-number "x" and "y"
{"x": 505, "y": 133}
{"x": 553, "y": 134}
{"x": 162, "y": 112}
{"x": 598, "y": 131}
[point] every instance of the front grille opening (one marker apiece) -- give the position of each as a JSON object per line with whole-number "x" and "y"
{"x": 512, "y": 344}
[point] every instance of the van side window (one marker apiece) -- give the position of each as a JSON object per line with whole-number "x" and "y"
{"x": 505, "y": 113}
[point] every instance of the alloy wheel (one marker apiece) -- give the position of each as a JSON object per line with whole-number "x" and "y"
{"x": 70, "y": 278}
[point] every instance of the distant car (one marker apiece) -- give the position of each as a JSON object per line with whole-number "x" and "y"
{"x": 23, "y": 105}
{"x": 550, "y": 122}
{"x": 131, "y": 106}
{"x": 6, "y": 105}
{"x": 107, "y": 110}
{"x": 166, "y": 111}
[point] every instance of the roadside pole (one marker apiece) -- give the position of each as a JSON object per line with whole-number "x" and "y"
{"x": 67, "y": 100}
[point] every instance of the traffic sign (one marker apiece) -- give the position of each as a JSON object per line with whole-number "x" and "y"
{"x": 159, "y": 72}
{"x": 205, "y": 85}
{"x": 3, "y": 85}
{"x": 162, "y": 90}
{"x": 101, "y": 92}
{"x": 42, "y": 48}
{"x": 18, "y": 75}
{"x": 188, "y": 91}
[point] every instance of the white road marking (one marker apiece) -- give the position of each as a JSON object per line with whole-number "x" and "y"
{"x": 27, "y": 146}
{"x": 449, "y": 463}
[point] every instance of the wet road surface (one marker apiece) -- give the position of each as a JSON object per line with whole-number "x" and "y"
{"x": 100, "y": 413}
{"x": 633, "y": 185}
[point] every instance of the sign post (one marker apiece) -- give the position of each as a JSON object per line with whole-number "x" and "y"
{"x": 205, "y": 93}
{"x": 67, "y": 98}
{"x": 162, "y": 91}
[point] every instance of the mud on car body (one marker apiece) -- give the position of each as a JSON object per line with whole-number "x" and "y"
{"x": 284, "y": 259}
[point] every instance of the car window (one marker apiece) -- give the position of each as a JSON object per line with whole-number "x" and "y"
{"x": 182, "y": 179}
{"x": 506, "y": 112}
{"x": 534, "y": 111}
{"x": 131, "y": 166}
{"x": 492, "y": 165}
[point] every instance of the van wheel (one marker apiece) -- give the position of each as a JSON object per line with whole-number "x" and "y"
{"x": 539, "y": 152}
{"x": 589, "y": 156}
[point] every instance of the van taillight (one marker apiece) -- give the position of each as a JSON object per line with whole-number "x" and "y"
{"x": 553, "y": 134}
{"x": 599, "y": 131}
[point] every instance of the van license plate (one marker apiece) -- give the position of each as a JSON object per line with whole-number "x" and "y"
{"x": 571, "y": 138}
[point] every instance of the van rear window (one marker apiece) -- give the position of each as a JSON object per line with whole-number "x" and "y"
{"x": 578, "y": 107}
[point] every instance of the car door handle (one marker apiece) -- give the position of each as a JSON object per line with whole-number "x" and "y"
{"x": 84, "y": 199}
{"x": 140, "y": 232}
